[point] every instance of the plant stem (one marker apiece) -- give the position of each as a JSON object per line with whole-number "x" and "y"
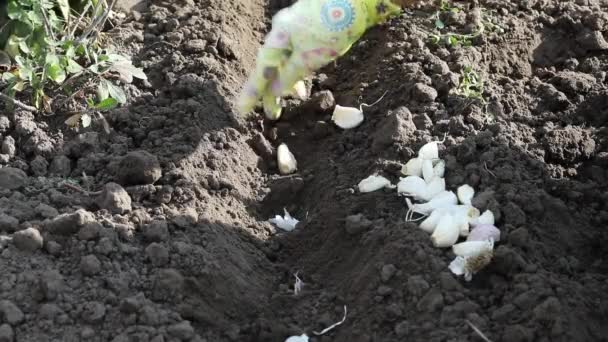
{"x": 77, "y": 23}
{"x": 17, "y": 103}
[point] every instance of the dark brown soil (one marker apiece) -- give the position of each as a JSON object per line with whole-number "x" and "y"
{"x": 170, "y": 239}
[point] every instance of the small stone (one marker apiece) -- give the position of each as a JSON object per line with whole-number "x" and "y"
{"x": 182, "y": 330}
{"x": 90, "y": 265}
{"x": 139, "y": 168}
{"x": 517, "y": 333}
{"x": 384, "y": 290}
{"x": 8, "y": 146}
{"x": 402, "y": 329}
{"x": 60, "y": 166}
{"x": 262, "y": 147}
{"x": 196, "y": 45}
{"x": 93, "y": 312}
{"x": 416, "y": 285}
{"x": 6, "y": 333}
{"x": 12, "y": 178}
{"x": 51, "y": 284}
{"x": 105, "y": 246}
{"x": 164, "y": 194}
{"x": 5, "y": 124}
{"x": 157, "y": 253}
{"x": 125, "y": 231}
{"x": 90, "y": 231}
{"x": 424, "y": 93}
{"x": 25, "y": 127}
{"x": 387, "y": 272}
{"x": 168, "y": 283}
{"x": 431, "y": 302}
{"x": 519, "y": 237}
{"x": 322, "y": 102}
{"x": 156, "y": 231}
{"x": 68, "y": 224}
{"x": 87, "y": 333}
{"x": 8, "y": 223}
{"x": 11, "y": 313}
{"x": 4, "y": 158}
{"x": 28, "y": 240}
{"x": 356, "y": 224}
{"x": 115, "y": 199}
{"x": 46, "y": 211}
{"x": 321, "y": 129}
{"x": 188, "y": 218}
{"x": 53, "y": 248}
{"x": 39, "y": 166}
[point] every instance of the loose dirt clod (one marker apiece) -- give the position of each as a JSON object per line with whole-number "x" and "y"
{"x": 28, "y": 240}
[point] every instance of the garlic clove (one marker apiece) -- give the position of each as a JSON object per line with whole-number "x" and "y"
{"x": 427, "y": 170}
{"x": 486, "y": 218}
{"x": 430, "y": 150}
{"x": 483, "y": 232}
{"x": 434, "y": 188}
{"x": 465, "y": 194}
{"x": 430, "y": 223}
{"x": 301, "y": 338}
{"x": 374, "y": 183}
{"x": 439, "y": 169}
{"x": 412, "y": 168}
{"x": 286, "y": 160}
{"x": 446, "y": 233}
{"x": 412, "y": 186}
{"x": 347, "y": 117}
{"x": 443, "y": 199}
{"x": 472, "y": 248}
{"x": 300, "y": 90}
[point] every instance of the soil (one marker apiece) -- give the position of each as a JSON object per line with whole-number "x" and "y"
{"x": 162, "y": 232}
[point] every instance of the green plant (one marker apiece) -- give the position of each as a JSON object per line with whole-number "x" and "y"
{"x": 57, "y": 53}
{"x": 485, "y": 23}
{"x": 471, "y": 86}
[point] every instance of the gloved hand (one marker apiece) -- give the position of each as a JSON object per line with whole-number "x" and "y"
{"x": 304, "y": 38}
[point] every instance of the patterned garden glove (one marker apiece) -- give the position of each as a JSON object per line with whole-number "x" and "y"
{"x": 304, "y": 38}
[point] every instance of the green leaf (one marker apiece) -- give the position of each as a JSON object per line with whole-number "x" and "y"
{"x": 127, "y": 71}
{"x": 54, "y": 69}
{"x": 452, "y": 41}
{"x": 35, "y": 18}
{"x": 14, "y": 10}
{"x": 117, "y": 93}
{"x": 103, "y": 92}
{"x": 24, "y": 47}
{"x": 72, "y": 67}
{"x": 439, "y": 24}
{"x": 19, "y": 86}
{"x": 90, "y": 102}
{"x": 64, "y": 7}
{"x": 107, "y": 104}
{"x": 56, "y": 73}
{"x": 8, "y": 77}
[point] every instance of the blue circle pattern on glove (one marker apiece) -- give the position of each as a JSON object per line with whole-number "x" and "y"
{"x": 337, "y": 15}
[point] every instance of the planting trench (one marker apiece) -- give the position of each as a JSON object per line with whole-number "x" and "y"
{"x": 195, "y": 258}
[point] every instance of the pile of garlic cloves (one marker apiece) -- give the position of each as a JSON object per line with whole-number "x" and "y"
{"x": 446, "y": 215}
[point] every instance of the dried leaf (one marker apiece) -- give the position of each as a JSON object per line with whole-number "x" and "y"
{"x": 73, "y": 121}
